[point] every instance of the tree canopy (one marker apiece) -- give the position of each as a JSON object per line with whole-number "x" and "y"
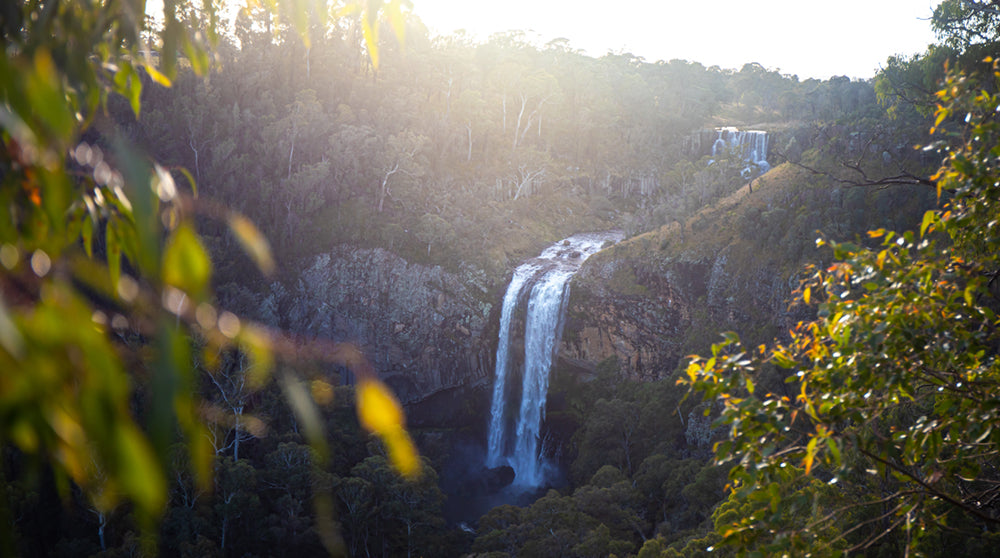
{"x": 890, "y": 414}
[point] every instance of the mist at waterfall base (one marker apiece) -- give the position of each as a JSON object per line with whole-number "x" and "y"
{"x": 518, "y": 464}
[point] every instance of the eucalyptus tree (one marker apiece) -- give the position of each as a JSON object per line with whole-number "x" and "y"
{"x": 893, "y": 383}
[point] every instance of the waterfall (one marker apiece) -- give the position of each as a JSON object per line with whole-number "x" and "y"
{"x": 497, "y": 430}
{"x": 750, "y": 144}
{"x": 546, "y": 278}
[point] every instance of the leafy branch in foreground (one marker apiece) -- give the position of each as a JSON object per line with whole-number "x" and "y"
{"x": 892, "y": 398}
{"x": 97, "y": 240}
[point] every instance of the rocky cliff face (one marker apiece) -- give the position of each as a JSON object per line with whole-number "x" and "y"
{"x": 651, "y": 312}
{"x": 431, "y": 334}
{"x": 424, "y": 329}
{"x": 640, "y": 318}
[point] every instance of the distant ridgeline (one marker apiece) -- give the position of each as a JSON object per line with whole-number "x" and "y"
{"x": 751, "y": 145}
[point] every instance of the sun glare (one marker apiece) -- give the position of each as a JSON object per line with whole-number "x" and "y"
{"x": 852, "y": 37}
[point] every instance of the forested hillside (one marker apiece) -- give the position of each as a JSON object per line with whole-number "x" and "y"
{"x": 452, "y": 145}
{"x": 223, "y": 232}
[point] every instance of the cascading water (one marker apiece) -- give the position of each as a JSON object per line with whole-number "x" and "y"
{"x": 497, "y": 426}
{"x": 548, "y": 277}
{"x": 751, "y": 144}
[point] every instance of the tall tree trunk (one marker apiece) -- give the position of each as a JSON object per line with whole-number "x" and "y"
{"x": 236, "y": 427}
{"x": 468, "y": 127}
{"x": 103, "y": 523}
{"x": 517, "y": 128}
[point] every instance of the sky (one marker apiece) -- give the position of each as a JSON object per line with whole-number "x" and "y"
{"x": 808, "y": 38}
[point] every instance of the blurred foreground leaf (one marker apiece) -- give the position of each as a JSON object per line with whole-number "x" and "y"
{"x": 252, "y": 241}
{"x": 381, "y": 414}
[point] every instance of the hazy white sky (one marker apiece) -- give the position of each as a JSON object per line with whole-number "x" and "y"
{"x": 810, "y": 38}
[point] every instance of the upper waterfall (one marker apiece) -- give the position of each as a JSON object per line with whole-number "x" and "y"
{"x": 751, "y": 145}
{"x": 546, "y": 279}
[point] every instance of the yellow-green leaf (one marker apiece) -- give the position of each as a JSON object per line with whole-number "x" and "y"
{"x": 394, "y": 11}
{"x": 186, "y": 264}
{"x": 10, "y": 337}
{"x": 380, "y": 413}
{"x": 810, "y": 454}
{"x": 252, "y": 241}
{"x": 141, "y": 475}
{"x": 156, "y": 76}
{"x": 255, "y": 342}
{"x": 378, "y": 410}
{"x": 300, "y": 20}
{"x": 402, "y": 452}
{"x": 190, "y": 179}
{"x": 370, "y": 33}
{"x": 929, "y": 218}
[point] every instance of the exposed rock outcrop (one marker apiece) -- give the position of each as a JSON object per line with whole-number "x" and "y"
{"x": 424, "y": 329}
{"x": 650, "y": 313}
{"x": 638, "y": 318}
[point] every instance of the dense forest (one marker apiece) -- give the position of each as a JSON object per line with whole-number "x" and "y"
{"x": 180, "y": 190}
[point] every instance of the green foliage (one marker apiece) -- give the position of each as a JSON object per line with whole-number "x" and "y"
{"x": 67, "y": 399}
{"x": 966, "y": 23}
{"x": 392, "y": 513}
{"x": 624, "y": 429}
{"x": 104, "y": 277}
{"x": 891, "y": 382}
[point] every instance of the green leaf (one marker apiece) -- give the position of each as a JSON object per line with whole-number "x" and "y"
{"x": 87, "y": 232}
{"x": 190, "y": 178}
{"x": 48, "y": 99}
{"x": 10, "y": 337}
{"x": 197, "y": 56}
{"x": 128, "y": 85}
{"x": 171, "y": 39}
{"x": 305, "y": 411}
{"x": 782, "y": 359}
{"x": 834, "y": 450}
{"x": 142, "y": 477}
{"x": 114, "y": 254}
{"x": 930, "y": 217}
{"x": 186, "y": 264}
